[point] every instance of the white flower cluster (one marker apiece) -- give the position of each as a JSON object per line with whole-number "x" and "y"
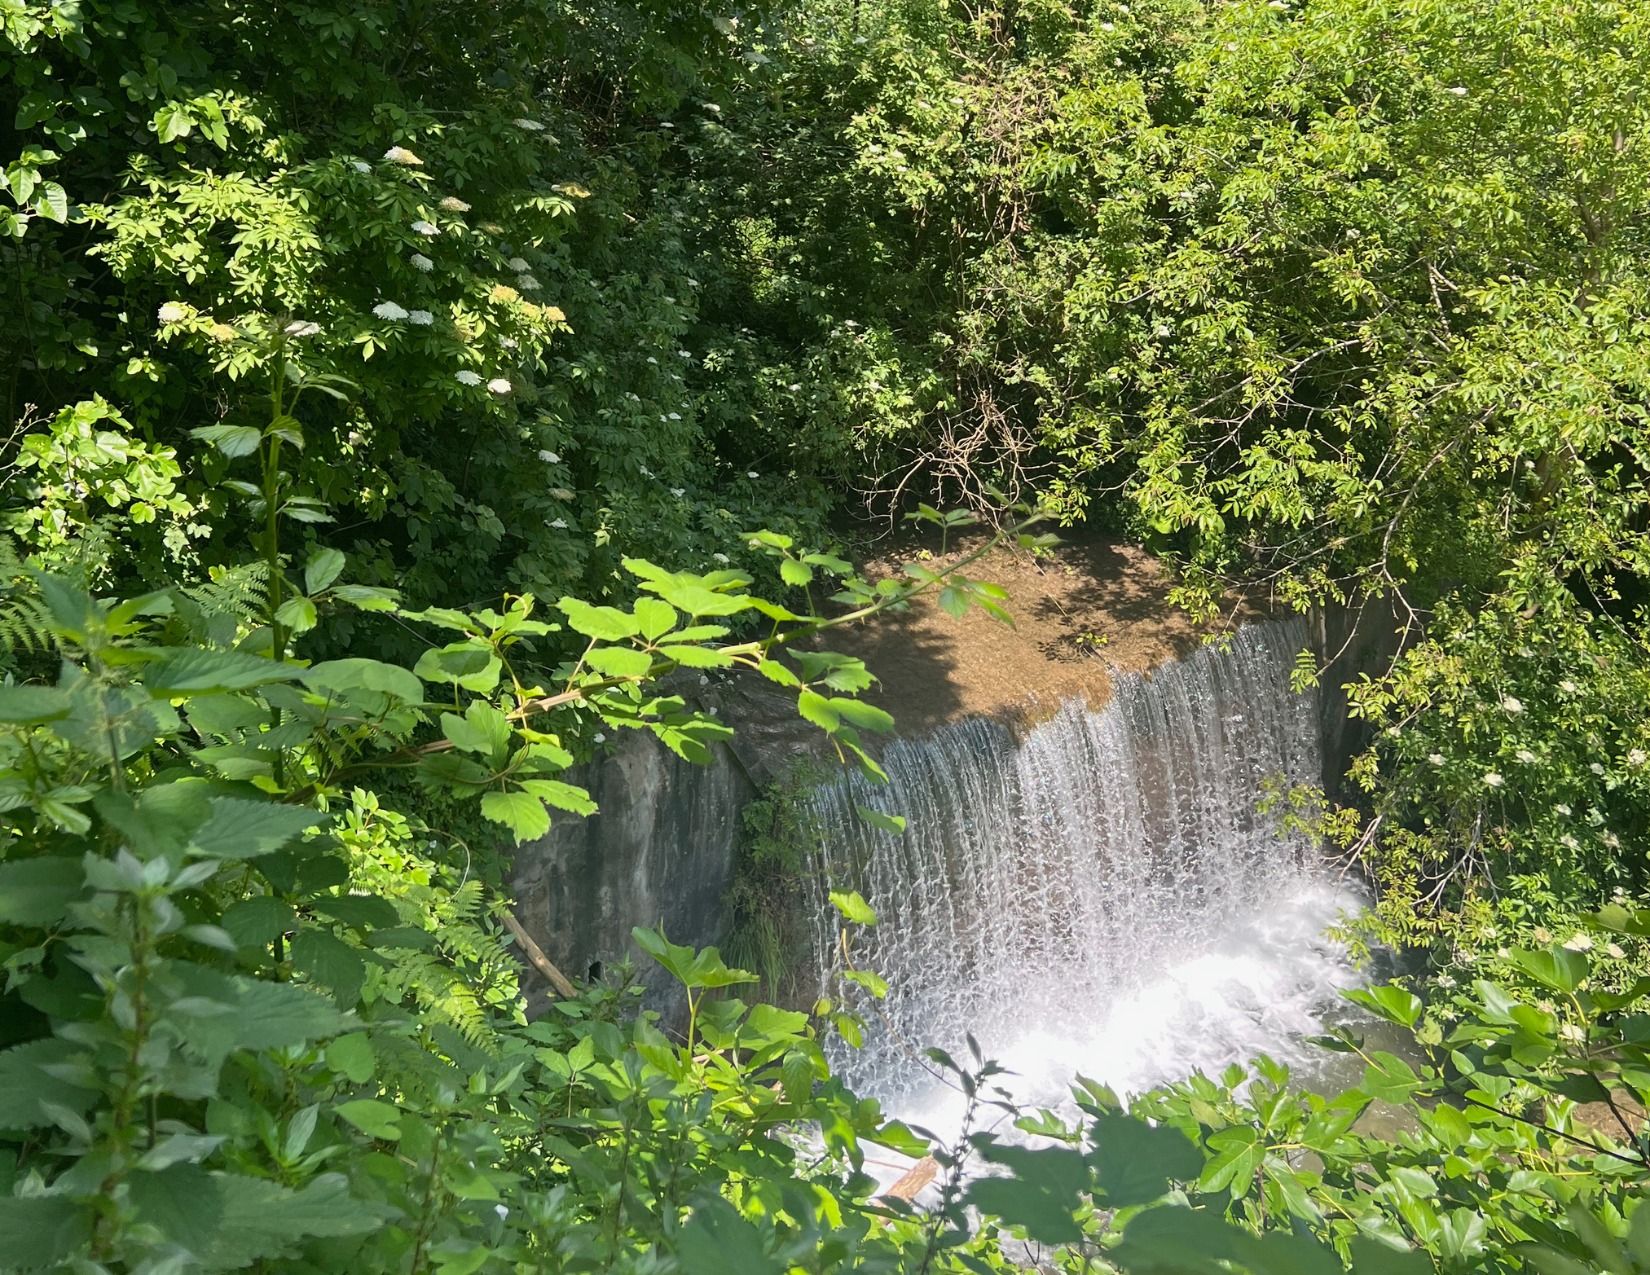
{"x": 421, "y": 263}
{"x": 389, "y": 310}
{"x": 401, "y": 155}
{"x": 173, "y": 312}
{"x": 302, "y": 328}
{"x": 549, "y": 458}
{"x": 426, "y": 228}
{"x": 453, "y": 204}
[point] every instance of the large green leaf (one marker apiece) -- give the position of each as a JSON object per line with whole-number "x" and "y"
{"x": 200, "y": 670}
{"x": 44, "y": 1071}
{"x": 1042, "y": 1193}
{"x": 358, "y": 674}
{"x": 25, "y": 705}
{"x": 36, "y": 891}
{"x": 42, "y": 1231}
{"x": 263, "y": 1220}
{"x": 522, "y": 813}
{"x": 326, "y": 959}
{"x": 606, "y": 624}
{"x": 239, "y": 828}
{"x": 1135, "y": 1162}
{"x": 717, "y": 1241}
{"x": 224, "y": 1012}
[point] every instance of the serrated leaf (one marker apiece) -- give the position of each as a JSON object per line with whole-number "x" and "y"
{"x": 523, "y": 814}
{"x": 894, "y": 824}
{"x": 606, "y": 624}
{"x": 297, "y": 613}
{"x": 619, "y": 661}
{"x": 263, "y": 1220}
{"x": 469, "y": 664}
{"x": 181, "y": 670}
{"x": 324, "y": 566}
{"x": 36, "y": 891}
{"x": 374, "y": 1118}
{"x": 563, "y": 796}
{"x": 34, "y": 1074}
{"x": 30, "y": 705}
{"x": 258, "y": 921}
{"x": 232, "y": 440}
{"x": 326, "y": 959}
{"x": 352, "y": 1056}
{"x": 654, "y": 618}
{"x": 240, "y": 828}
{"x": 42, "y": 1231}
{"x": 852, "y": 907}
{"x": 358, "y": 674}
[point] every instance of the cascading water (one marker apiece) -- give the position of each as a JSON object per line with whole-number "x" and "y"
{"x": 1098, "y": 895}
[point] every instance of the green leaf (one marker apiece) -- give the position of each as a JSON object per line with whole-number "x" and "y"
{"x": 324, "y": 566}
{"x": 864, "y": 716}
{"x": 563, "y": 796}
{"x": 697, "y": 656}
{"x": 193, "y": 669}
{"x": 37, "y": 891}
{"x": 358, "y": 911}
{"x": 1042, "y": 1193}
{"x": 795, "y": 573}
{"x": 815, "y": 708}
{"x": 607, "y": 624}
{"x": 1135, "y": 1162}
{"x": 53, "y": 203}
{"x": 42, "y": 1231}
{"x": 1395, "y": 1004}
{"x": 30, "y": 705}
{"x": 373, "y": 1118}
{"x": 483, "y": 730}
{"x": 715, "y": 1240}
{"x": 258, "y": 921}
{"x": 183, "y": 1202}
{"x": 654, "y": 618}
{"x": 44, "y": 1072}
{"x": 231, "y": 440}
{"x": 470, "y": 664}
{"x": 367, "y": 597}
{"x": 262, "y": 1219}
{"x": 222, "y": 1012}
{"x": 523, "y": 814}
{"x": 363, "y": 675}
{"x": 297, "y": 613}
{"x": 240, "y": 828}
{"x": 326, "y": 959}
{"x": 894, "y": 824}
{"x": 352, "y": 1057}
{"x": 620, "y": 661}
{"x": 853, "y": 908}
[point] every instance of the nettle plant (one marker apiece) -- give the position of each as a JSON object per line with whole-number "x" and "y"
{"x": 251, "y": 1014}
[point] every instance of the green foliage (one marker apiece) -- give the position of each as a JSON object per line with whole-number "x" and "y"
{"x": 768, "y": 902}
{"x": 498, "y": 256}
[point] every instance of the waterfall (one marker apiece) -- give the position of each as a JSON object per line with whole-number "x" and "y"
{"x": 1096, "y": 894}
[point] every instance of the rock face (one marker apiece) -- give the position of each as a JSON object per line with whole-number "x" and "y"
{"x": 1348, "y": 643}
{"x": 661, "y": 850}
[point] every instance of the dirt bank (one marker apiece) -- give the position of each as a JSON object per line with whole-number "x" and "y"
{"x": 1083, "y": 613}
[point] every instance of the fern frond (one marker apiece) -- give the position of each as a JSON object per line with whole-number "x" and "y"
{"x": 241, "y": 591}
